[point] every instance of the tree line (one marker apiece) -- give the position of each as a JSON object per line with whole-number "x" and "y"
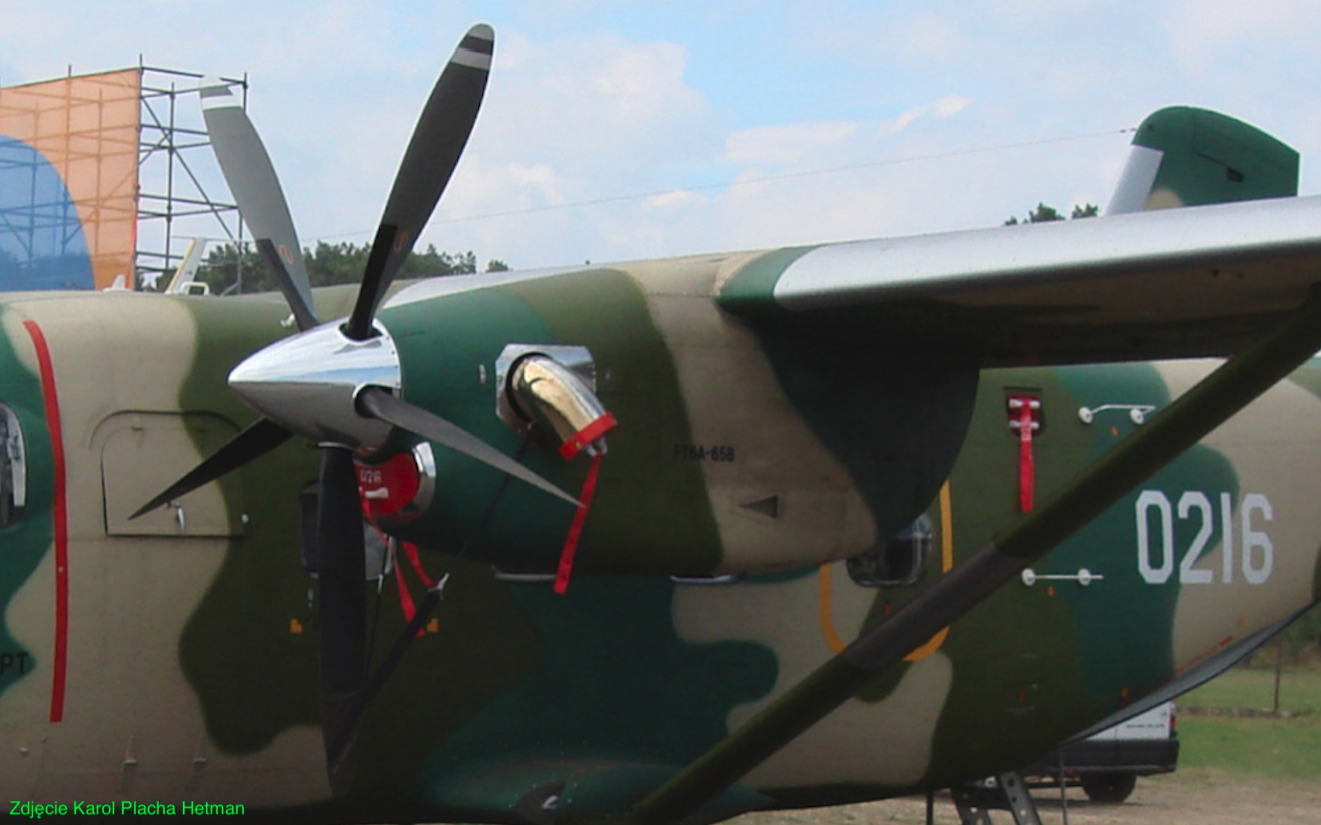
{"x": 1045, "y": 214}
{"x": 229, "y": 268}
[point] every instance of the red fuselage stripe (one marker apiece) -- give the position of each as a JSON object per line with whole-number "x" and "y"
{"x": 60, "y": 514}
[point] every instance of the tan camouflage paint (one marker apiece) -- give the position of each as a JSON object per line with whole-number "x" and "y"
{"x": 1275, "y": 447}
{"x": 129, "y": 597}
{"x": 821, "y": 516}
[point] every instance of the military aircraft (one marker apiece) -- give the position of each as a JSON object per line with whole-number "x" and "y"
{"x": 672, "y": 540}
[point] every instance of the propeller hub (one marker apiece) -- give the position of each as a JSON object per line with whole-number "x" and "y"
{"x": 309, "y": 383}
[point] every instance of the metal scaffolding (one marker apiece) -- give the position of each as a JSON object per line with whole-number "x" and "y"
{"x": 176, "y": 182}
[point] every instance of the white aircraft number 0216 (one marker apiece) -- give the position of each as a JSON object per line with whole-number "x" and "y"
{"x": 1155, "y": 523}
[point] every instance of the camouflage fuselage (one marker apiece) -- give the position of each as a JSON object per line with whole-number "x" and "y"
{"x": 174, "y": 657}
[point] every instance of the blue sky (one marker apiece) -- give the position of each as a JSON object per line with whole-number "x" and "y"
{"x": 595, "y": 100}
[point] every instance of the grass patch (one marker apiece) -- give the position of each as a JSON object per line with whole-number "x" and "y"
{"x": 1281, "y": 748}
{"x": 1264, "y": 746}
{"x": 1300, "y": 691}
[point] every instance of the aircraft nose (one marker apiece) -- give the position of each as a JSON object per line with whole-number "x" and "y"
{"x": 309, "y": 384}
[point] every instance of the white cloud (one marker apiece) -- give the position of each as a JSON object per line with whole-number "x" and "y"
{"x": 677, "y": 199}
{"x": 576, "y": 119}
{"x": 785, "y": 144}
{"x": 945, "y": 107}
{"x": 593, "y": 91}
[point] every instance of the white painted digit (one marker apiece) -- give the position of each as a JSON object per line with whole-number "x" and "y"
{"x": 1226, "y": 538}
{"x": 1155, "y": 575}
{"x": 1254, "y": 540}
{"x": 1188, "y": 574}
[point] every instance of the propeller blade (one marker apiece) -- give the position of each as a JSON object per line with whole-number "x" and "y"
{"x": 381, "y": 403}
{"x": 341, "y": 560}
{"x": 256, "y": 440}
{"x": 433, "y": 152}
{"x": 256, "y": 188}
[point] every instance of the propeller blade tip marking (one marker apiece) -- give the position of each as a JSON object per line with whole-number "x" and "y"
{"x": 215, "y": 94}
{"x": 476, "y": 48}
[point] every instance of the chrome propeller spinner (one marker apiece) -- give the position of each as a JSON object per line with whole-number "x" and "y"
{"x": 309, "y": 383}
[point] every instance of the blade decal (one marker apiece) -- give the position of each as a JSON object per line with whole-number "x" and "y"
{"x": 60, "y": 516}
{"x": 303, "y": 314}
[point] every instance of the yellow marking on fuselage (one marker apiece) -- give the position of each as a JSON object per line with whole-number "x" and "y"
{"x": 827, "y": 622}
{"x": 946, "y": 564}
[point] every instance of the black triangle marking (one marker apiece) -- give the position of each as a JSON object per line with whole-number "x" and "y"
{"x": 765, "y": 506}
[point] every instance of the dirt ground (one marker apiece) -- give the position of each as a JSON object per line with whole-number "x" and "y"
{"x": 1197, "y": 797}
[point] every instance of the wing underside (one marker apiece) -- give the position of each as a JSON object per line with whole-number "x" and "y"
{"x": 1198, "y": 281}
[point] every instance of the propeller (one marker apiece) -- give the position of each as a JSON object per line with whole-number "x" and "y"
{"x": 339, "y": 385}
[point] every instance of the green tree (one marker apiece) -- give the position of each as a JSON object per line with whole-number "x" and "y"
{"x": 1044, "y": 214}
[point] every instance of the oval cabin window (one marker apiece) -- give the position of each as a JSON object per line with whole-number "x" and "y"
{"x": 900, "y": 561}
{"x": 13, "y": 468}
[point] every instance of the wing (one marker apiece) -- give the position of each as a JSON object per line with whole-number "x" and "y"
{"x": 1173, "y": 283}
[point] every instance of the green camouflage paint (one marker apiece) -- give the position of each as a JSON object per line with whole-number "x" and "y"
{"x": 31, "y": 538}
{"x": 1210, "y": 158}
{"x": 656, "y": 514}
{"x": 253, "y": 677}
{"x": 613, "y": 676}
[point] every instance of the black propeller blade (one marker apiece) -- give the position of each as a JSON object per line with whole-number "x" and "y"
{"x": 342, "y": 609}
{"x": 441, "y": 133}
{"x": 258, "y": 439}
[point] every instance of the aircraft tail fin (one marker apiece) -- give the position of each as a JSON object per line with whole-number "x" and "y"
{"x": 1183, "y": 156}
{"x": 183, "y": 276}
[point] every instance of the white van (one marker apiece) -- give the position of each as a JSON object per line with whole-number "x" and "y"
{"x": 1107, "y": 764}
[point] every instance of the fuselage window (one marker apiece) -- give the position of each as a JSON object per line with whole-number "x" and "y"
{"x": 13, "y": 468}
{"x": 900, "y": 561}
